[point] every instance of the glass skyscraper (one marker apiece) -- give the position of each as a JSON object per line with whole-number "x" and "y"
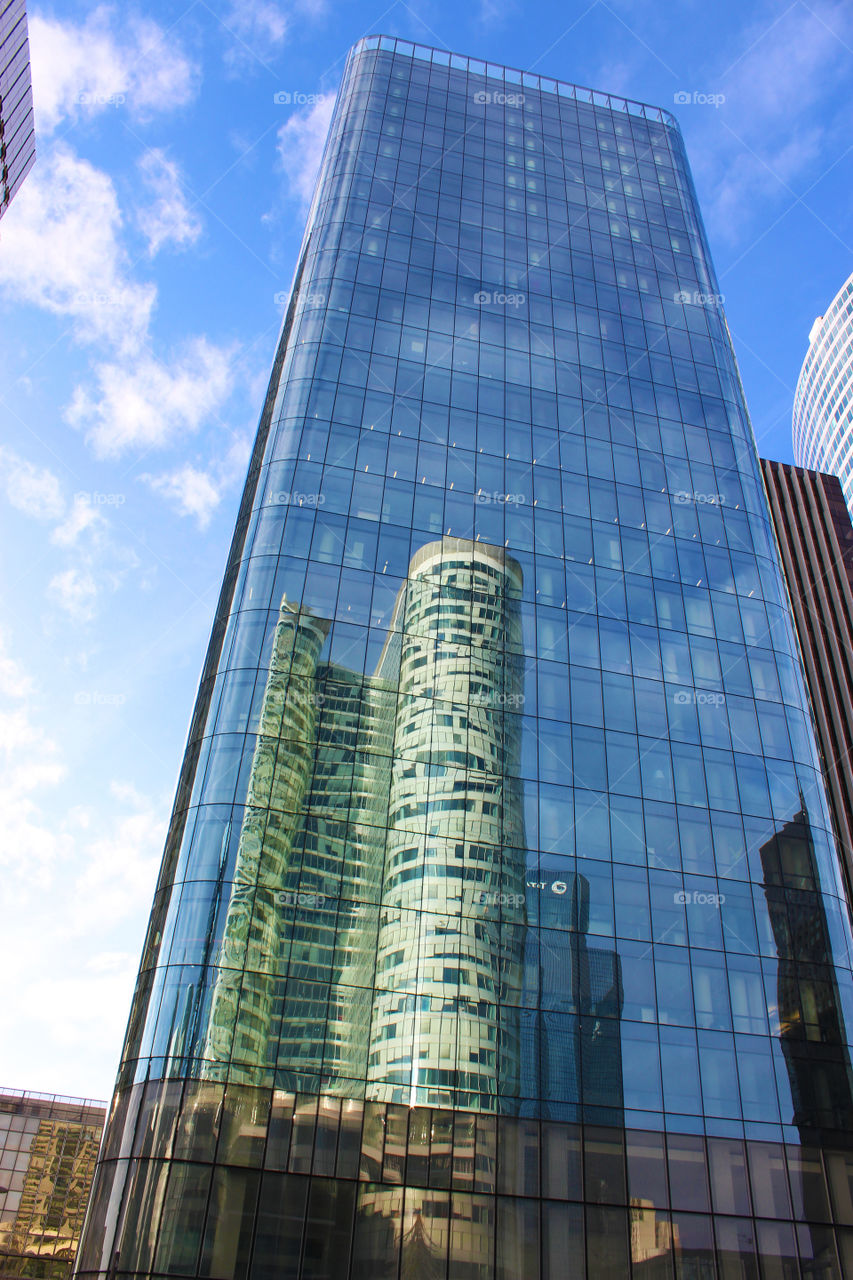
{"x": 823, "y": 405}
{"x": 499, "y": 932}
{"x": 17, "y": 128}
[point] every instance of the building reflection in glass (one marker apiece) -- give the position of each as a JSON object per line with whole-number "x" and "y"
{"x": 811, "y": 1028}
{"x": 572, "y": 1053}
{"x": 376, "y": 919}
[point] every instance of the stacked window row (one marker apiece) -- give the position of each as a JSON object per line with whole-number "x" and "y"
{"x": 463, "y": 1195}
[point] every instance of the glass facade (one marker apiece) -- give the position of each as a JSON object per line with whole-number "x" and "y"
{"x": 48, "y": 1147}
{"x": 17, "y": 128}
{"x": 500, "y": 931}
{"x": 823, "y": 405}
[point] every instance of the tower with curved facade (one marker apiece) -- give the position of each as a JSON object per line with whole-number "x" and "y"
{"x": 500, "y": 931}
{"x": 823, "y": 404}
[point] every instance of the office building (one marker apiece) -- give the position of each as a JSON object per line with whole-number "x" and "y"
{"x": 17, "y": 128}
{"x": 815, "y": 535}
{"x": 466, "y": 957}
{"x": 823, "y": 404}
{"x": 48, "y": 1146}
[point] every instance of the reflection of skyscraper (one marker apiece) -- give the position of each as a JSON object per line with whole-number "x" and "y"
{"x": 571, "y": 1052}
{"x": 242, "y": 1002}
{"x": 329, "y": 832}
{"x": 446, "y": 963}
{"x": 810, "y": 1017}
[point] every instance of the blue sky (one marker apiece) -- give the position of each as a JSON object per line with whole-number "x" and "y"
{"x": 142, "y": 273}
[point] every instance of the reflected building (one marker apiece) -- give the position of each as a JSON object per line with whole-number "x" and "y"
{"x": 48, "y": 1147}
{"x": 463, "y": 959}
{"x": 809, "y": 1009}
{"x": 399, "y": 788}
{"x": 573, "y": 988}
{"x": 445, "y": 1026}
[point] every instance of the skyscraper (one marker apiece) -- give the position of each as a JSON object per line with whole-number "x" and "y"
{"x": 465, "y": 955}
{"x": 17, "y": 129}
{"x": 823, "y": 404}
{"x": 815, "y": 535}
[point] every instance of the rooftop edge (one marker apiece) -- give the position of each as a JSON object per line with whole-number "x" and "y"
{"x": 513, "y": 75}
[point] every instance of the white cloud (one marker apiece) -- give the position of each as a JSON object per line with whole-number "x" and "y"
{"x": 81, "y": 879}
{"x": 74, "y": 590}
{"x": 62, "y": 252}
{"x": 82, "y": 515}
{"x": 14, "y": 680}
{"x": 120, "y": 865}
{"x": 258, "y": 21}
{"x": 94, "y": 560}
{"x": 112, "y": 60}
{"x": 191, "y": 491}
{"x": 491, "y": 13}
{"x": 167, "y": 218}
{"x": 31, "y": 489}
{"x": 148, "y": 403}
{"x": 301, "y": 140}
{"x": 258, "y": 29}
{"x": 29, "y": 761}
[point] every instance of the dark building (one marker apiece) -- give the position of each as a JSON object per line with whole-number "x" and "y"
{"x": 48, "y": 1146}
{"x": 808, "y": 1008}
{"x": 815, "y": 536}
{"x": 464, "y": 960}
{"x": 17, "y": 129}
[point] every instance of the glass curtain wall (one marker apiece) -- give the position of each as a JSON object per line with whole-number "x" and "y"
{"x": 499, "y": 931}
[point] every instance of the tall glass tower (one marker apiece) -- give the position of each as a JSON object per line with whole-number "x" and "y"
{"x": 499, "y": 931}
{"x": 823, "y": 405}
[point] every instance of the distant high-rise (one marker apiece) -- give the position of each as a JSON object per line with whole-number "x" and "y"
{"x": 468, "y": 954}
{"x": 17, "y": 129}
{"x": 823, "y": 405}
{"x": 48, "y": 1146}
{"x": 815, "y": 535}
